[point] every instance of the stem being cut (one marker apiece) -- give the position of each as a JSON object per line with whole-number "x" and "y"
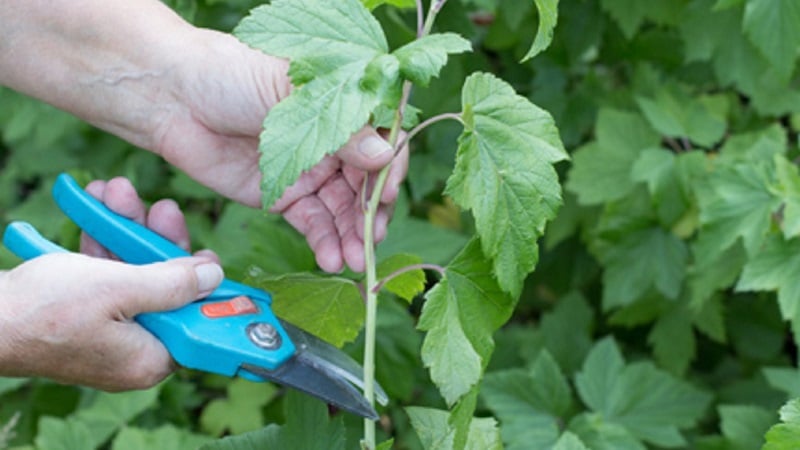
{"x": 370, "y": 323}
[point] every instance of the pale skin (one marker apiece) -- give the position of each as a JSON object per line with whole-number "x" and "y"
{"x": 197, "y": 98}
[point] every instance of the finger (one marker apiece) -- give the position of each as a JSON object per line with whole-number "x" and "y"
{"x": 88, "y": 246}
{"x": 310, "y": 217}
{"x": 397, "y": 173}
{"x": 366, "y": 150}
{"x": 207, "y": 254}
{"x": 120, "y": 196}
{"x": 166, "y": 219}
{"x": 308, "y": 183}
{"x": 379, "y": 226}
{"x": 165, "y": 285}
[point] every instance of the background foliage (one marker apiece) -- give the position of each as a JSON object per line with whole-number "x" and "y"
{"x": 665, "y": 308}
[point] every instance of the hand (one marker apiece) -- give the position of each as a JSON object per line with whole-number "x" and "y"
{"x": 68, "y": 316}
{"x": 212, "y": 134}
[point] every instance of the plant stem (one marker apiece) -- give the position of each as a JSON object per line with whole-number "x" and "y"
{"x": 370, "y": 323}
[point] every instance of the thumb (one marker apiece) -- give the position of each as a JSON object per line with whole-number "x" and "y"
{"x": 170, "y": 284}
{"x": 366, "y": 150}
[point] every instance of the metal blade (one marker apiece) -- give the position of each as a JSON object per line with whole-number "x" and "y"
{"x": 332, "y": 360}
{"x": 302, "y": 374}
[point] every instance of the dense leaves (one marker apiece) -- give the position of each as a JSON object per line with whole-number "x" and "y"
{"x": 659, "y": 309}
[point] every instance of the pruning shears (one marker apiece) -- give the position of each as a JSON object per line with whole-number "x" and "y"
{"x": 232, "y": 332}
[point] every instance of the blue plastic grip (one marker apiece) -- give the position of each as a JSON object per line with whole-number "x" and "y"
{"x": 24, "y": 241}
{"x": 217, "y": 345}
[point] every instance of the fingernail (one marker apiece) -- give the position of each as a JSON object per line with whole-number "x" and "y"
{"x": 373, "y": 146}
{"x": 209, "y": 275}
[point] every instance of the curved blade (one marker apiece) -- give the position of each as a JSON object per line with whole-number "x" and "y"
{"x": 304, "y": 375}
{"x": 330, "y": 359}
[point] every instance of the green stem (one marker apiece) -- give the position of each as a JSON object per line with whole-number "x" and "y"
{"x": 371, "y": 211}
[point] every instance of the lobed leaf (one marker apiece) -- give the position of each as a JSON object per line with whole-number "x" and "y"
{"x": 460, "y": 314}
{"x": 423, "y": 58}
{"x": 785, "y": 435}
{"x": 435, "y": 433}
{"x": 645, "y": 401}
{"x": 504, "y": 173}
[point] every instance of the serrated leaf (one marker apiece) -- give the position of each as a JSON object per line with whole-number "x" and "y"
{"x": 548, "y": 18}
{"x": 294, "y": 29}
{"x": 601, "y": 170}
{"x": 530, "y": 403}
{"x": 407, "y": 285}
{"x": 57, "y": 434}
{"x": 736, "y": 202}
{"x": 435, "y": 433}
{"x": 304, "y": 414}
{"x": 673, "y": 341}
{"x": 504, "y": 173}
{"x": 649, "y": 403}
{"x": 789, "y": 190}
{"x": 674, "y": 113}
{"x": 314, "y": 121}
{"x": 569, "y": 441}
{"x": 460, "y": 314}
{"x": 240, "y": 411}
{"x": 744, "y": 425}
{"x": 772, "y": 25}
{"x": 785, "y": 435}
{"x": 566, "y": 331}
{"x": 330, "y": 308}
{"x": 628, "y": 266}
{"x": 600, "y": 434}
{"x": 330, "y": 55}
{"x": 774, "y": 268}
{"x": 423, "y": 58}
{"x": 166, "y": 437}
{"x": 109, "y": 411}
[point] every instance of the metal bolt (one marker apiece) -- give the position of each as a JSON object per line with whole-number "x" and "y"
{"x": 264, "y": 335}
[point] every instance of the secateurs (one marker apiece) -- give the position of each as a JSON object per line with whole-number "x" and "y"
{"x": 231, "y": 332}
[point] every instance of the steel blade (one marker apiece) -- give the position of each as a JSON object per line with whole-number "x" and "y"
{"x": 302, "y": 374}
{"x": 330, "y": 359}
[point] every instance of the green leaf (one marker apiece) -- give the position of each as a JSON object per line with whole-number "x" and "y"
{"x": 628, "y": 265}
{"x": 569, "y": 441}
{"x": 504, "y": 174}
{"x": 57, "y": 434}
{"x": 372, "y": 4}
{"x": 744, "y": 425}
{"x": 346, "y": 34}
{"x": 566, "y": 331}
{"x": 407, "y": 285}
{"x": 735, "y": 202}
{"x": 673, "y": 341}
{"x": 548, "y": 18}
{"x": 772, "y": 25}
{"x": 240, "y": 411}
{"x": 308, "y": 427}
{"x": 784, "y": 379}
{"x": 331, "y": 54}
{"x": 530, "y": 403}
{"x": 460, "y": 314}
{"x": 789, "y": 190}
{"x": 674, "y": 113}
{"x": 774, "y": 268}
{"x": 435, "y": 433}
{"x": 423, "y": 58}
{"x": 599, "y": 434}
{"x": 166, "y": 437}
{"x": 601, "y": 169}
{"x": 330, "y": 308}
{"x": 785, "y": 435}
{"x": 649, "y": 403}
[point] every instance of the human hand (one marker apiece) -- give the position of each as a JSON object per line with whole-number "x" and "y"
{"x": 212, "y": 134}
{"x": 68, "y": 316}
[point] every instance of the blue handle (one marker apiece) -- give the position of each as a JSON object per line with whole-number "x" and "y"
{"x": 219, "y": 345}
